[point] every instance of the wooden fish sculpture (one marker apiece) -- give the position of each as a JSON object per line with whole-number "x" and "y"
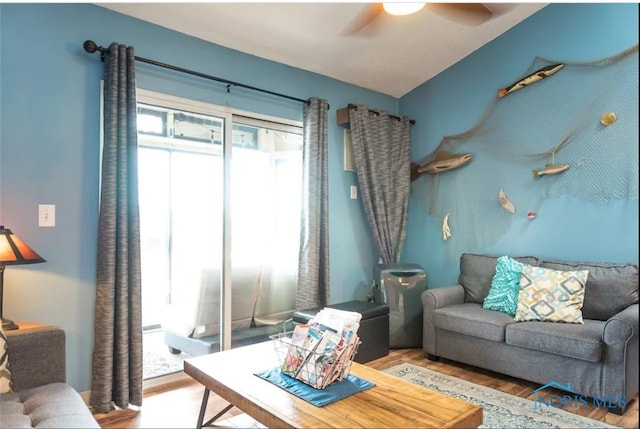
{"x": 532, "y": 78}
{"x": 445, "y": 161}
{"x": 550, "y": 169}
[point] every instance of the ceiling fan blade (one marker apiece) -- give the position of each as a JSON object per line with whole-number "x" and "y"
{"x": 365, "y": 21}
{"x": 470, "y": 14}
{"x": 500, "y": 8}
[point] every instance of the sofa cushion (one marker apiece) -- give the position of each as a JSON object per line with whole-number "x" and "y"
{"x": 12, "y": 412}
{"x": 51, "y": 405}
{"x": 505, "y": 286}
{"x": 550, "y": 295}
{"x": 5, "y": 373}
{"x": 610, "y": 287}
{"x": 582, "y": 342}
{"x": 472, "y": 319}
{"x": 477, "y": 271}
{"x": 10, "y": 403}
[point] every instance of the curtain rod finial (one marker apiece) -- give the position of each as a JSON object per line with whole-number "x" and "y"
{"x": 91, "y": 47}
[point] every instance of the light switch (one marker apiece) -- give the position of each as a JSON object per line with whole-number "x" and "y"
{"x": 354, "y": 192}
{"x": 46, "y": 215}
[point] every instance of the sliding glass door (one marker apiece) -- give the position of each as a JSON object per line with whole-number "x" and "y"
{"x": 219, "y": 223}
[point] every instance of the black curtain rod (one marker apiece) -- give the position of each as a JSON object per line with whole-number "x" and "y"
{"x": 377, "y": 113}
{"x": 90, "y": 46}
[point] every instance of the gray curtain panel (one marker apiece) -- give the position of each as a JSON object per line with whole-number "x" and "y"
{"x": 381, "y": 152}
{"x": 313, "y": 268}
{"x": 117, "y": 350}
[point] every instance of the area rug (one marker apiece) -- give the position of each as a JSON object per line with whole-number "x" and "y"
{"x": 156, "y": 365}
{"x": 157, "y": 360}
{"x": 500, "y": 410}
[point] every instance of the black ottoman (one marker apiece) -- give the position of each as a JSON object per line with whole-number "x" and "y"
{"x": 373, "y": 331}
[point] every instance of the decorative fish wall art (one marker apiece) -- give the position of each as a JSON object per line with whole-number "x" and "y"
{"x": 550, "y": 169}
{"x": 445, "y": 161}
{"x": 532, "y": 78}
{"x": 554, "y": 168}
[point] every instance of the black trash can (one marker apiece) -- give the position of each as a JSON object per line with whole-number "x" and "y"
{"x": 400, "y": 288}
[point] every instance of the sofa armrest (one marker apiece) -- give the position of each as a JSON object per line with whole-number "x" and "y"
{"x": 621, "y": 327}
{"x": 37, "y": 356}
{"x": 620, "y": 370}
{"x": 432, "y": 299}
{"x": 443, "y": 296}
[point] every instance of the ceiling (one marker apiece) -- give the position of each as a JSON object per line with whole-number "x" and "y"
{"x": 393, "y": 55}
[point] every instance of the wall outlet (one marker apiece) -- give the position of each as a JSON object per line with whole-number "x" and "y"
{"x": 46, "y": 215}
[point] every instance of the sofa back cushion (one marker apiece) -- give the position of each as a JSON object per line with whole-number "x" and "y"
{"x": 610, "y": 287}
{"x": 477, "y": 271}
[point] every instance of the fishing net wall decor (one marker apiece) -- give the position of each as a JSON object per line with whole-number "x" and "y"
{"x": 584, "y": 115}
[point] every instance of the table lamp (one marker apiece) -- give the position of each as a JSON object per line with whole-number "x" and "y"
{"x": 13, "y": 251}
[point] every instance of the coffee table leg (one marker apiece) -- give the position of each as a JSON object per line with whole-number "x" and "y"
{"x": 203, "y": 409}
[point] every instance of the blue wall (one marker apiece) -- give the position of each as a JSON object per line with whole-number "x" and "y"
{"x": 452, "y": 102}
{"x": 49, "y": 141}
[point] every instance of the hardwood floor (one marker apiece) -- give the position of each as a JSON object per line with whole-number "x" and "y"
{"x": 177, "y": 404}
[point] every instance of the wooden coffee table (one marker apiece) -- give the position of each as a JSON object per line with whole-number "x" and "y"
{"x": 391, "y": 403}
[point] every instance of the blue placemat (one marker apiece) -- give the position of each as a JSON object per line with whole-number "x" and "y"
{"x": 318, "y": 397}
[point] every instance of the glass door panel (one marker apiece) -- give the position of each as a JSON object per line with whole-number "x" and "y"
{"x": 196, "y": 242}
{"x": 266, "y": 179}
{"x": 153, "y": 182}
{"x": 181, "y": 211}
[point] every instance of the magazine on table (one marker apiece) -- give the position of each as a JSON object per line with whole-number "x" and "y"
{"x": 320, "y": 352}
{"x": 296, "y": 351}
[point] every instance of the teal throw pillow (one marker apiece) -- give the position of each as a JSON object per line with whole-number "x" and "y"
{"x": 505, "y": 286}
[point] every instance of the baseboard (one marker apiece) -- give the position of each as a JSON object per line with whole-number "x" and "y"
{"x": 151, "y": 384}
{"x": 160, "y": 383}
{"x": 86, "y": 395}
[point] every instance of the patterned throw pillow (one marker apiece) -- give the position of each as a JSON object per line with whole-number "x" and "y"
{"x": 550, "y": 295}
{"x": 505, "y": 286}
{"x": 5, "y": 374}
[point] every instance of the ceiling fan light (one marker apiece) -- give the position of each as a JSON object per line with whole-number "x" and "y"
{"x": 402, "y": 8}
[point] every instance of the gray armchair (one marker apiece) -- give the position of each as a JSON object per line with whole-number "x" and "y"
{"x": 41, "y": 397}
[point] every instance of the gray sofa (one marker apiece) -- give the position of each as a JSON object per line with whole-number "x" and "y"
{"x": 41, "y": 397}
{"x": 598, "y": 358}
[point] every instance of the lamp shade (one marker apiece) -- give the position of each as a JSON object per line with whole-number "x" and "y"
{"x": 14, "y": 251}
